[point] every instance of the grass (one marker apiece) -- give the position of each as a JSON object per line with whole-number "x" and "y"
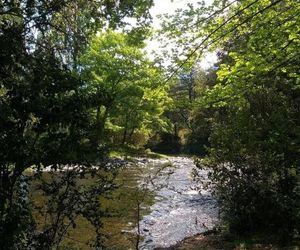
{"x": 129, "y": 151}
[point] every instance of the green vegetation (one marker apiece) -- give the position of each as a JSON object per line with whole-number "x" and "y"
{"x": 128, "y": 151}
{"x": 250, "y": 113}
{"x": 134, "y": 98}
{"x": 76, "y": 87}
{"x": 46, "y": 111}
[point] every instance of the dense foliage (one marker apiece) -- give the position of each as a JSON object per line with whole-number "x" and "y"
{"x": 45, "y": 108}
{"x": 135, "y": 97}
{"x": 255, "y": 139}
{"x": 252, "y": 110}
{"x": 75, "y": 82}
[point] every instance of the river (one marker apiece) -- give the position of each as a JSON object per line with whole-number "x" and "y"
{"x": 157, "y": 204}
{"x": 178, "y": 209}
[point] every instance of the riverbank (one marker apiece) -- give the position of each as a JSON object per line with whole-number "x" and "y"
{"x": 128, "y": 152}
{"x": 202, "y": 241}
{"x": 219, "y": 241}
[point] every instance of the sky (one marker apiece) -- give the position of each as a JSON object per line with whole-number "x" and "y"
{"x": 169, "y": 7}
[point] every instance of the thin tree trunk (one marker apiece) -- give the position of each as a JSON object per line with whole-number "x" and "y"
{"x": 131, "y": 132}
{"x": 124, "y": 136}
{"x": 175, "y": 129}
{"x": 100, "y": 124}
{"x": 138, "y": 227}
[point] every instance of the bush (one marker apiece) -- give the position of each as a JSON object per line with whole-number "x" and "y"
{"x": 254, "y": 165}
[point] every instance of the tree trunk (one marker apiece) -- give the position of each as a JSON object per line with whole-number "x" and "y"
{"x": 131, "y": 133}
{"x": 99, "y": 126}
{"x": 138, "y": 226}
{"x": 124, "y": 136}
{"x": 175, "y": 129}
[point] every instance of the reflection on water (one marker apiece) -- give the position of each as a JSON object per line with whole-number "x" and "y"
{"x": 128, "y": 204}
{"x": 157, "y": 204}
{"x": 182, "y": 210}
{"x": 162, "y": 196}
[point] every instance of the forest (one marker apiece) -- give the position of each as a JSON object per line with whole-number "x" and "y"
{"x": 99, "y": 135}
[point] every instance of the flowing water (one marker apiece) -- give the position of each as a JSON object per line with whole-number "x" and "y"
{"x": 156, "y": 205}
{"x": 181, "y": 209}
{"x": 176, "y": 209}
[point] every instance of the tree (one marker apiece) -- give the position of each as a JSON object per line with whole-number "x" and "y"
{"x": 135, "y": 98}
{"x": 44, "y": 106}
{"x": 190, "y": 124}
{"x": 255, "y": 136}
{"x": 254, "y": 109}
